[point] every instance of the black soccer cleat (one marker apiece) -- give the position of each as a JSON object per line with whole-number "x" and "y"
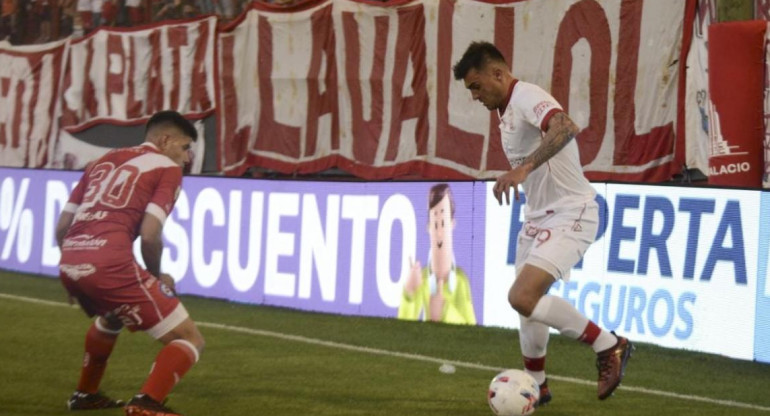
{"x": 545, "y": 394}
{"x": 91, "y": 401}
{"x": 144, "y": 405}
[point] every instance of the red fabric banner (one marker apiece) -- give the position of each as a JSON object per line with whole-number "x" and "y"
{"x": 736, "y": 78}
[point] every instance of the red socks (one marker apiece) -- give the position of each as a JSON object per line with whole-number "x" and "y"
{"x": 169, "y": 367}
{"x": 590, "y": 333}
{"x": 99, "y": 344}
{"x": 534, "y": 364}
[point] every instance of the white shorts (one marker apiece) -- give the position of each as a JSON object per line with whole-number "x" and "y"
{"x": 556, "y": 241}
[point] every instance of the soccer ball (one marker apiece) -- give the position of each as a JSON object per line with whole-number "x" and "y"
{"x": 513, "y": 393}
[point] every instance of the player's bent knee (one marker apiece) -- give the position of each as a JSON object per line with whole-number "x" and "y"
{"x": 193, "y": 336}
{"x": 520, "y": 303}
{"x": 198, "y": 340}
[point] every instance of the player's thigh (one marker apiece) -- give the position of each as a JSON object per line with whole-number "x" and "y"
{"x": 130, "y": 294}
{"x": 154, "y": 307}
{"x": 562, "y": 242}
{"x": 186, "y": 330}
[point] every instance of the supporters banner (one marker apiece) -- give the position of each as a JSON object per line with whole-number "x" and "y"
{"x": 370, "y": 89}
{"x": 736, "y": 85}
{"x": 30, "y": 87}
{"x": 122, "y": 77}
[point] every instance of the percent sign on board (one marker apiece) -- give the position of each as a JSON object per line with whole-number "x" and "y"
{"x": 15, "y": 220}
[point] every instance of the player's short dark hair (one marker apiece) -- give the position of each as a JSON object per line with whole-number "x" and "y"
{"x": 437, "y": 193}
{"x": 171, "y": 118}
{"x": 476, "y": 57}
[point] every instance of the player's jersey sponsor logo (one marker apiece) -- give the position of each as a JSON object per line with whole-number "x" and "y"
{"x": 83, "y": 242}
{"x": 76, "y": 271}
{"x": 90, "y": 216}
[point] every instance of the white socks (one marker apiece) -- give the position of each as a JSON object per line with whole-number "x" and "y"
{"x": 560, "y": 314}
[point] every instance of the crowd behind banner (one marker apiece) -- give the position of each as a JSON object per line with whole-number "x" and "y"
{"x": 24, "y": 22}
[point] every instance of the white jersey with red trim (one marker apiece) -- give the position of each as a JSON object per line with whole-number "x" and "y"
{"x": 112, "y": 197}
{"x": 557, "y": 184}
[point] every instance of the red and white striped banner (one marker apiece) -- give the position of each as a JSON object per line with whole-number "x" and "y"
{"x": 370, "y": 88}
{"x": 122, "y": 77}
{"x": 29, "y": 91}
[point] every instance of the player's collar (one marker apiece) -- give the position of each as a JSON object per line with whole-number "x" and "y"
{"x": 151, "y": 145}
{"x": 508, "y": 97}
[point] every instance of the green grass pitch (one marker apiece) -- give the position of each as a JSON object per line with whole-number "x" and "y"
{"x": 278, "y": 362}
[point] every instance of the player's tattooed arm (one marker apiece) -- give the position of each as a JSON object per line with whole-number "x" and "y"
{"x": 560, "y": 130}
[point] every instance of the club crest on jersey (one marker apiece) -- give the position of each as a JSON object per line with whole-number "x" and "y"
{"x": 542, "y": 107}
{"x": 166, "y": 290}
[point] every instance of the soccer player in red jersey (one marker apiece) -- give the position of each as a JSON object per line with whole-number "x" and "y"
{"x": 561, "y": 215}
{"x": 129, "y": 193}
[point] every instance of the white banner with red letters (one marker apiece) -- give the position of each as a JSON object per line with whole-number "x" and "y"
{"x": 123, "y": 77}
{"x": 29, "y": 90}
{"x": 370, "y": 88}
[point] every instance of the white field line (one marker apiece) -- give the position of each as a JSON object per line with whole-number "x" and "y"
{"x": 418, "y": 357}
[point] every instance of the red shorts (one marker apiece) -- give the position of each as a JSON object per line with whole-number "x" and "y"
{"x": 125, "y": 291}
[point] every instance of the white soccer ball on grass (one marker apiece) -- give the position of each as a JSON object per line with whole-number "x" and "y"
{"x": 513, "y": 393}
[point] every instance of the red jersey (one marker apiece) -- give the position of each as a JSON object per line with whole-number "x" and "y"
{"x": 111, "y": 200}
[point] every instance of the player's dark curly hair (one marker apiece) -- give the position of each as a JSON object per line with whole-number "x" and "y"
{"x": 476, "y": 57}
{"x": 171, "y": 118}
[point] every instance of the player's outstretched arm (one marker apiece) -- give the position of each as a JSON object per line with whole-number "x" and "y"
{"x": 560, "y": 130}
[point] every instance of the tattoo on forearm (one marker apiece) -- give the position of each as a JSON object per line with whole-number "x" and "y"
{"x": 560, "y": 131}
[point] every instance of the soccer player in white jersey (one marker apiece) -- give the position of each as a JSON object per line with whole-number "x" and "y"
{"x": 561, "y": 214}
